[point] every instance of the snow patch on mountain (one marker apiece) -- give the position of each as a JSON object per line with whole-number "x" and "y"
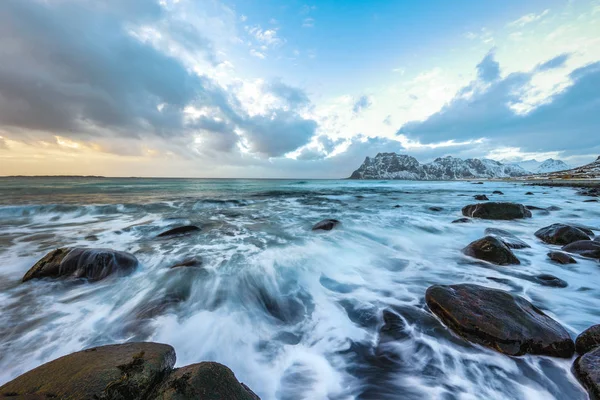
{"x": 540, "y": 167}
{"x": 402, "y": 166}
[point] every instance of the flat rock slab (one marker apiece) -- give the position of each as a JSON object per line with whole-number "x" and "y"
{"x": 92, "y": 264}
{"x": 585, "y": 248}
{"x": 561, "y": 234}
{"x": 491, "y": 249}
{"x": 205, "y": 381}
{"x": 587, "y": 370}
{"x": 326, "y": 225}
{"x": 496, "y": 210}
{"x": 507, "y": 238}
{"x": 499, "y": 320}
{"x": 123, "y": 371}
{"x": 588, "y": 339}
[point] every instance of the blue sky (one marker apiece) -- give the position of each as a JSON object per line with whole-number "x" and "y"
{"x": 224, "y": 88}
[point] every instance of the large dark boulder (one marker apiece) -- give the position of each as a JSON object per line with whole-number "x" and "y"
{"x": 561, "y": 258}
{"x": 499, "y": 320}
{"x": 205, "y": 381}
{"x": 179, "y": 231}
{"x": 92, "y": 264}
{"x": 507, "y": 238}
{"x": 496, "y": 210}
{"x": 587, "y": 371}
{"x": 326, "y": 225}
{"x": 561, "y": 234}
{"x": 585, "y": 248}
{"x": 491, "y": 249}
{"x": 588, "y": 339}
{"x": 123, "y": 371}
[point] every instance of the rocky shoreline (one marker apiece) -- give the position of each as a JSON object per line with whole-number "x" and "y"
{"x": 493, "y": 318}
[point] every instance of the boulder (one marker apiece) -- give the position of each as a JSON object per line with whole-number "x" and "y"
{"x": 180, "y": 230}
{"x": 491, "y": 249}
{"x": 461, "y": 221}
{"x": 561, "y": 234}
{"x": 588, "y": 339}
{"x": 326, "y": 225}
{"x": 497, "y": 192}
{"x": 496, "y": 210}
{"x": 587, "y": 370}
{"x": 507, "y": 238}
{"x": 561, "y": 258}
{"x": 206, "y": 380}
{"x": 92, "y": 264}
{"x": 550, "y": 280}
{"x": 122, "y": 371}
{"x": 481, "y": 197}
{"x": 585, "y": 248}
{"x": 499, "y": 320}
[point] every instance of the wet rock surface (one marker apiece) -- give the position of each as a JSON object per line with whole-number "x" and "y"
{"x": 561, "y": 257}
{"x": 463, "y": 220}
{"x": 180, "y": 230}
{"x": 499, "y": 320}
{"x": 588, "y": 339}
{"x": 550, "y": 280}
{"x": 130, "y": 371}
{"x": 587, "y": 370}
{"x": 91, "y": 264}
{"x": 561, "y": 234}
{"x": 124, "y": 371}
{"x": 206, "y": 380}
{"x": 585, "y": 248}
{"x": 491, "y": 249}
{"x": 496, "y": 210}
{"x": 481, "y": 197}
{"x": 326, "y": 225}
{"x": 509, "y": 239}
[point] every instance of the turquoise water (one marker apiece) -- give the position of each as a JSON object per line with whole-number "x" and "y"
{"x": 294, "y": 313}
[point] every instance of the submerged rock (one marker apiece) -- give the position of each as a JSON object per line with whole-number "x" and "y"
{"x": 499, "y": 320}
{"x": 436, "y": 208}
{"x": 480, "y": 197}
{"x": 188, "y": 262}
{"x": 180, "y": 230}
{"x": 561, "y": 258}
{"x": 122, "y": 371}
{"x": 205, "y": 380}
{"x": 491, "y": 249}
{"x": 507, "y": 238}
{"x": 585, "y": 248}
{"x": 588, "y": 339}
{"x": 550, "y": 280}
{"x": 462, "y": 220}
{"x": 92, "y": 264}
{"x": 497, "y": 192}
{"x": 326, "y": 225}
{"x": 587, "y": 370}
{"x": 496, "y": 210}
{"x": 529, "y": 194}
{"x": 561, "y": 234}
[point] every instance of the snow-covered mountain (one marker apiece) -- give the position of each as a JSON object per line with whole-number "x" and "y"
{"x": 588, "y": 171}
{"x": 540, "y": 167}
{"x": 401, "y": 166}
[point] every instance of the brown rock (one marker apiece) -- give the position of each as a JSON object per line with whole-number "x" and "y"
{"x": 561, "y": 234}
{"x": 496, "y": 210}
{"x": 499, "y": 320}
{"x": 561, "y": 258}
{"x": 588, "y": 339}
{"x": 587, "y": 370}
{"x": 491, "y": 249}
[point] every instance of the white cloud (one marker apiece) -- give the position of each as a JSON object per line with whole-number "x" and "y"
{"x": 308, "y": 23}
{"x": 528, "y": 18}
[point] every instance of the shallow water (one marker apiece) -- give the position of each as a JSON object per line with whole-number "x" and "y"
{"x": 294, "y": 313}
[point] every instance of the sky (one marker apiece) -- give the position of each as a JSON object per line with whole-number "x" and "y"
{"x": 292, "y": 89}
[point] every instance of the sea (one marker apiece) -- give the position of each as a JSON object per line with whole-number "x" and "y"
{"x": 295, "y": 313}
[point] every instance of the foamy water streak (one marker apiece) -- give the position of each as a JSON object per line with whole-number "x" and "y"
{"x": 294, "y": 313}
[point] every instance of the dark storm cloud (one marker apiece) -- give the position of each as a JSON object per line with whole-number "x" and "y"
{"x": 567, "y": 122}
{"x": 73, "y": 68}
{"x": 361, "y": 104}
